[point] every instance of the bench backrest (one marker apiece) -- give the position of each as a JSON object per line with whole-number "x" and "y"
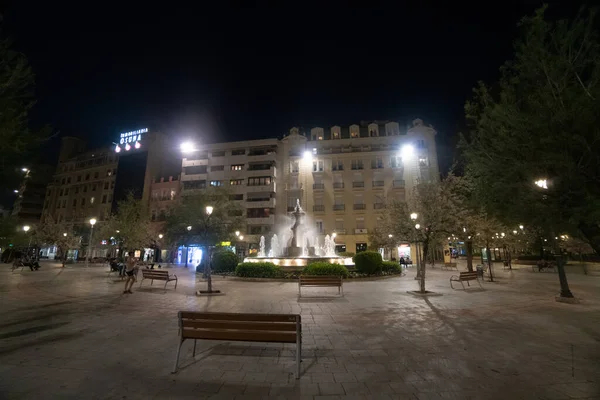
{"x": 320, "y": 280}
{"x": 280, "y": 328}
{"x": 154, "y": 274}
{"x": 468, "y": 275}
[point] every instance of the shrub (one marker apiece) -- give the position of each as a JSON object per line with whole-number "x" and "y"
{"x": 346, "y": 254}
{"x": 224, "y": 261}
{"x": 391, "y": 267}
{"x": 325, "y": 268}
{"x": 368, "y": 262}
{"x": 258, "y": 270}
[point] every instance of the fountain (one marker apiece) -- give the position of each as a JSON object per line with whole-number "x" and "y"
{"x": 292, "y": 250}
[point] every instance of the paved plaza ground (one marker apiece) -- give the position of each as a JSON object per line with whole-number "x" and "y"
{"x": 71, "y": 334}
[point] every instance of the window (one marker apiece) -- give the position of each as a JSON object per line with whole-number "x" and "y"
{"x": 378, "y": 203}
{"x": 112, "y": 184}
{"x": 360, "y": 247}
{"x": 294, "y": 183}
{"x": 336, "y": 132}
{"x": 173, "y": 194}
{"x": 238, "y": 152}
{"x": 236, "y": 182}
{"x": 110, "y": 198}
{"x": 396, "y": 162}
{"x": 217, "y": 168}
{"x": 87, "y": 177}
{"x": 69, "y": 180}
{"x": 83, "y": 201}
{"x": 360, "y": 223}
{"x": 258, "y": 212}
{"x": 421, "y": 144}
{"x": 294, "y": 167}
{"x": 337, "y": 165}
{"x": 259, "y": 181}
{"x": 359, "y": 202}
{"x": 339, "y": 225}
{"x": 319, "y": 225}
{"x": 218, "y": 153}
{"x": 234, "y": 197}
{"x": 192, "y": 185}
{"x": 94, "y": 187}
{"x": 106, "y": 185}
{"x": 84, "y": 188}
{"x": 63, "y": 181}
{"x": 291, "y": 203}
{"x": 198, "y": 169}
{"x": 357, "y": 164}
{"x": 66, "y": 191}
{"x": 109, "y": 172}
{"x": 60, "y": 192}
{"x": 216, "y": 183}
{"x": 237, "y": 167}
{"x": 76, "y": 189}
{"x": 96, "y": 175}
{"x": 377, "y": 163}
{"x": 318, "y": 166}
{"x": 74, "y": 202}
{"x": 354, "y": 131}
{"x": 104, "y": 199}
{"x": 423, "y": 162}
{"x": 92, "y": 199}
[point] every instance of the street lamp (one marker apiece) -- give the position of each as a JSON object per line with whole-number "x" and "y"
{"x": 521, "y": 227}
{"x": 65, "y": 234}
{"x": 241, "y": 237}
{"x": 26, "y": 228}
{"x": 333, "y": 235}
{"x": 187, "y": 147}
{"x": 160, "y": 235}
{"x": 413, "y": 216}
{"x": 92, "y": 223}
{"x": 407, "y": 152}
{"x": 237, "y": 233}
{"x": 209, "y": 210}
{"x": 25, "y": 169}
{"x": 542, "y": 183}
{"x": 189, "y": 228}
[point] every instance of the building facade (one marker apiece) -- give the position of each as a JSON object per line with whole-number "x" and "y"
{"x": 29, "y": 204}
{"x": 341, "y": 176}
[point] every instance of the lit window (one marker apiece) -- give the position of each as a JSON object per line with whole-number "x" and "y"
{"x": 216, "y": 183}
{"x": 92, "y": 200}
{"x": 237, "y": 167}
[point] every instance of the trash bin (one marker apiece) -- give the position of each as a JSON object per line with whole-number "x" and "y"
{"x": 480, "y": 271}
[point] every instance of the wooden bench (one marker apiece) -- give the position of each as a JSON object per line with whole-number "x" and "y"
{"x": 320, "y": 281}
{"x": 450, "y": 266}
{"x": 465, "y": 277}
{"x": 153, "y": 275}
{"x": 270, "y": 328}
{"x": 544, "y": 265}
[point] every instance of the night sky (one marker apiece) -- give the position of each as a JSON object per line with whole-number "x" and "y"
{"x": 235, "y": 73}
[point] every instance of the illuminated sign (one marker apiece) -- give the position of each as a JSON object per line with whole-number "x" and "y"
{"x": 133, "y": 136}
{"x": 130, "y": 137}
{"x": 225, "y": 243}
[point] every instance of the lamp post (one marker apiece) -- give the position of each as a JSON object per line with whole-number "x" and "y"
{"x": 208, "y": 266}
{"x": 390, "y": 236}
{"x": 26, "y": 228}
{"x": 187, "y": 247}
{"x": 92, "y": 223}
{"x": 413, "y": 217}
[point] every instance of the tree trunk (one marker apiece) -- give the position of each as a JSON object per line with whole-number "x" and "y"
{"x": 187, "y": 250}
{"x": 423, "y": 266}
{"x": 208, "y": 270}
{"x": 562, "y": 276}
{"x": 469, "y": 246}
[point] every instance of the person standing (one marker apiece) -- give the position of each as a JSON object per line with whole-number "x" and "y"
{"x": 130, "y": 272}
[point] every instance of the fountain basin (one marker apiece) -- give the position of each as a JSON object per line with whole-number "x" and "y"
{"x": 300, "y": 262}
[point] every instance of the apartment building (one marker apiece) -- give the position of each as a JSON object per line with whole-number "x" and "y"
{"x": 83, "y": 184}
{"x": 29, "y": 203}
{"x": 342, "y": 176}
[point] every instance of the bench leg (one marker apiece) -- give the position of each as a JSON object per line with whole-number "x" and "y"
{"x": 177, "y": 358}
{"x": 463, "y": 285}
{"x": 194, "y": 352}
{"x": 342, "y": 286}
{"x": 451, "y": 284}
{"x": 175, "y": 283}
{"x": 165, "y": 288}
{"x": 151, "y": 282}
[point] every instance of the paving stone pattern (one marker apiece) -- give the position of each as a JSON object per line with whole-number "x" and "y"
{"x": 71, "y": 334}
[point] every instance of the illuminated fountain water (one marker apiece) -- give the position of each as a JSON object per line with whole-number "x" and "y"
{"x": 298, "y": 246}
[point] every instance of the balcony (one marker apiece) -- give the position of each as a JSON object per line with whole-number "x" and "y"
{"x": 378, "y": 184}
{"x": 358, "y": 185}
{"x": 260, "y": 203}
{"x": 360, "y": 206}
{"x": 318, "y": 186}
{"x": 262, "y": 156}
{"x": 294, "y": 186}
{"x": 270, "y": 220}
{"x": 271, "y": 171}
{"x": 360, "y": 231}
{"x": 291, "y": 208}
{"x": 339, "y": 207}
{"x": 398, "y": 184}
{"x": 193, "y": 177}
{"x": 270, "y": 188}
{"x": 378, "y": 206}
{"x": 187, "y": 162}
{"x": 341, "y": 231}
{"x": 338, "y": 185}
{"x": 319, "y": 208}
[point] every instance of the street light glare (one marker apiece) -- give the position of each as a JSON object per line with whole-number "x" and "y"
{"x": 25, "y": 169}
{"x": 160, "y": 236}
{"x": 413, "y": 216}
{"x": 333, "y": 235}
{"x": 65, "y": 234}
{"x": 417, "y": 226}
{"x": 237, "y": 233}
{"x": 209, "y": 210}
{"x": 187, "y": 147}
{"x": 242, "y": 237}
{"x": 16, "y": 191}
{"x": 521, "y": 227}
{"x": 26, "y": 228}
{"x": 390, "y": 236}
{"x": 93, "y": 221}
{"x": 307, "y": 155}
{"x": 407, "y": 152}
{"x": 542, "y": 183}
{"x": 189, "y": 228}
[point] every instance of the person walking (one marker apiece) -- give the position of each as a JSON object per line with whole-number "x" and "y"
{"x": 402, "y": 262}
{"x": 130, "y": 267}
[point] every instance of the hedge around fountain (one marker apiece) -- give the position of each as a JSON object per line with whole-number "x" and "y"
{"x": 258, "y": 270}
{"x": 368, "y": 262}
{"x": 325, "y": 268}
{"x": 224, "y": 261}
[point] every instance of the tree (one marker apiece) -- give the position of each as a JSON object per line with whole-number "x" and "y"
{"x": 130, "y": 226}
{"x": 540, "y": 122}
{"x": 64, "y": 236}
{"x": 190, "y": 223}
{"x": 16, "y": 100}
{"x": 439, "y": 212}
